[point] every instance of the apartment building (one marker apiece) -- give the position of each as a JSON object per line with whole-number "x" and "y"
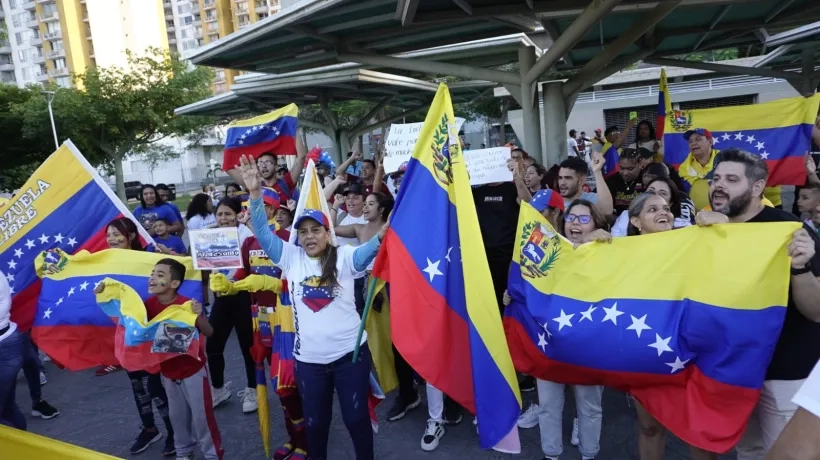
{"x": 48, "y": 40}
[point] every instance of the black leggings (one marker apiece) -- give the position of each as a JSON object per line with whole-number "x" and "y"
{"x": 147, "y": 387}
{"x": 228, "y": 313}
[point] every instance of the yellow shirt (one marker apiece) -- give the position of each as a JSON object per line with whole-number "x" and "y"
{"x": 697, "y": 176}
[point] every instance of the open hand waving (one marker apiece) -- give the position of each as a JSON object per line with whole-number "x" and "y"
{"x": 250, "y": 175}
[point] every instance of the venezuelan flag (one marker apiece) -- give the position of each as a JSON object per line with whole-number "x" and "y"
{"x": 64, "y": 205}
{"x": 18, "y": 444}
{"x": 274, "y": 132}
{"x": 664, "y": 105}
{"x": 69, "y": 326}
{"x": 693, "y": 348}
{"x": 779, "y": 132}
{"x": 611, "y": 157}
{"x": 376, "y": 318}
{"x": 140, "y": 344}
{"x": 311, "y": 197}
{"x": 444, "y": 318}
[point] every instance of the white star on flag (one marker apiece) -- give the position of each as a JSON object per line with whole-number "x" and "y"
{"x": 450, "y": 249}
{"x": 587, "y": 314}
{"x": 72, "y": 242}
{"x": 243, "y": 136}
{"x": 750, "y": 139}
{"x": 71, "y": 291}
{"x": 84, "y": 286}
{"x": 564, "y": 320}
{"x": 43, "y": 238}
{"x": 12, "y": 264}
{"x": 10, "y": 278}
{"x": 612, "y": 314}
{"x": 241, "y": 142}
{"x": 764, "y": 155}
{"x": 47, "y": 313}
{"x": 638, "y": 325}
{"x": 29, "y": 244}
{"x": 542, "y": 342}
{"x": 739, "y": 136}
{"x": 715, "y": 140}
{"x": 58, "y": 238}
{"x": 18, "y": 253}
{"x": 59, "y": 301}
{"x": 660, "y": 344}
{"x": 248, "y": 131}
{"x": 677, "y": 365}
{"x": 726, "y": 136}
{"x": 760, "y": 146}
{"x": 432, "y": 269}
{"x": 544, "y": 326}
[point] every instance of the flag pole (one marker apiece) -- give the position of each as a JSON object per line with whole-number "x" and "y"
{"x": 371, "y": 285}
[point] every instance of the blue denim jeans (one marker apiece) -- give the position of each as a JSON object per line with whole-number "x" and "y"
{"x": 12, "y": 351}
{"x": 351, "y": 381}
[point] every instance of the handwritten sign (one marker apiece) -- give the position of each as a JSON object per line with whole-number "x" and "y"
{"x": 400, "y": 142}
{"x": 216, "y": 248}
{"x": 486, "y": 166}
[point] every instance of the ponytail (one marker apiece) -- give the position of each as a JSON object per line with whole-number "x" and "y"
{"x": 330, "y": 272}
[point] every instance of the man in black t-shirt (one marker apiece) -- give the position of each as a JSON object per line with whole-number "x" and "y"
{"x": 497, "y": 210}
{"x": 625, "y": 185}
{"x": 735, "y": 197}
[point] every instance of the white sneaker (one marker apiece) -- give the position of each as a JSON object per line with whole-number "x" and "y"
{"x": 43, "y": 378}
{"x": 574, "y": 439}
{"x": 432, "y": 434}
{"x": 44, "y": 357}
{"x": 249, "y": 402}
{"x": 529, "y": 418}
{"x": 220, "y": 395}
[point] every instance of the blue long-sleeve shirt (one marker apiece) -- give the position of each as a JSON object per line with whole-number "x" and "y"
{"x": 272, "y": 244}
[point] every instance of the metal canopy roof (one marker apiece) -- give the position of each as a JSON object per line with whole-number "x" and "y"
{"x": 331, "y": 84}
{"x": 313, "y": 33}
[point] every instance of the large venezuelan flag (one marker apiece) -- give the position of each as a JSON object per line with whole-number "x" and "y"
{"x": 18, "y": 444}
{"x": 273, "y": 132}
{"x": 691, "y": 345}
{"x": 69, "y": 326}
{"x": 140, "y": 343}
{"x": 779, "y": 132}
{"x": 445, "y": 321}
{"x": 66, "y": 205}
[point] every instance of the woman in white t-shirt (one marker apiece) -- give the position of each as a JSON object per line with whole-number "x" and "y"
{"x": 200, "y": 213}
{"x": 321, "y": 279}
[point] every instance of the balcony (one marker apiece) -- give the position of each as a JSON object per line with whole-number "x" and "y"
{"x": 5, "y": 48}
{"x": 42, "y": 77}
{"x": 167, "y": 4}
{"x": 44, "y": 1}
{"x": 6, "y": 65}
{"x": 38, "y": 58}
{"x": 36, "y": 40}
{"x": 33, "y": 23}
{"x": 85, "y": 17}
{"x": 56, "y": 53}
{"x": 209, "y": 5}
{"x": 169, "y": 17}
{"x": 58, "y": 72}
{"x": 8, "y": 78}
{"x": 30, "y": 6}
{"x": 56, "y": 35}
{"x": 210, "y": 18}
{"x": 50, "y": 16}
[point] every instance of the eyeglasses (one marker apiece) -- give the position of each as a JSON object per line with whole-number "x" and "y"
{"x": 265, "y": 163}
{"x": 581, "y": 219}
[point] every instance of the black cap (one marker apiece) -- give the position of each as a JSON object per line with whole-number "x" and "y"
{"x": 354, "y": 188}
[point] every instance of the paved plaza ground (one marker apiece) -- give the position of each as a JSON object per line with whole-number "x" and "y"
{"x": 99, "y": 413}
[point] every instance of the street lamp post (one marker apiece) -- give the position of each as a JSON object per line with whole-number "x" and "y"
{"x": 49, "y": 95}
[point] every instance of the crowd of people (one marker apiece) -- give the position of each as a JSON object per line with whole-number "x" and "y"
{"x": 645, "y": 196}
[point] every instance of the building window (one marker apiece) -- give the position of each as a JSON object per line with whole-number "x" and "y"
{"x": 186, "y": 8}
{"x": 219, "y": 88}
{"x": 56, "y": 45}
{"x": 59, "y": 63}
{"x": 13, "y": 4}
{"x": 64, "y": 82}
{"x": 188, "y": 20}
{"x": 23, "y": 55}
{"x": 29, "y": 73}
{"x": 19, "y": 37}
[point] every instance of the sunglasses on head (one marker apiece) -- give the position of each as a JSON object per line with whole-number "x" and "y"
{"x": 581, "y": 219}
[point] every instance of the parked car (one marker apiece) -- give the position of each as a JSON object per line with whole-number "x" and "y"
{"x": 132, "y": 189}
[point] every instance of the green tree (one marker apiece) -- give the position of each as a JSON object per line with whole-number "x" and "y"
{"x": 117, "y": 112}
{"x": 21, "y": 154}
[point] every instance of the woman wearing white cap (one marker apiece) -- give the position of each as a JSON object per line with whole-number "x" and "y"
{"x": 321, "y": 278}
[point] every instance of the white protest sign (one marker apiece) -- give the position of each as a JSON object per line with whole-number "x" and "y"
{"x": 487, "y": 166}
{"x": 400, "y": 143}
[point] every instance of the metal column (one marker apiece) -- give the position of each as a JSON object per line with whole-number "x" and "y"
{"x": 530, "y": 109}
{"x": 555, "y": 123}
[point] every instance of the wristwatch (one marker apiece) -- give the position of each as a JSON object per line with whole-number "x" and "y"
{"x": 800, "y": 271}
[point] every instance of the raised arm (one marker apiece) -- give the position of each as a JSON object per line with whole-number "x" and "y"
{"x": 342, "y": 169}
{"x": 524, "y": 194}
{"x": 348, "y": 231}
{"x": 378, "y": 176}
{"x": 365, "y": 253}
{"x": 301, "y": 154}
{"x": 268, "y": 241}
{"x": 604, "y": 203}
{"x": 330, "y": 188}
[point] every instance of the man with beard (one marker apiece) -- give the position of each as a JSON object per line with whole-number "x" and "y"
{"x": 735, "y": 196}
{"x": 573, "y": 175}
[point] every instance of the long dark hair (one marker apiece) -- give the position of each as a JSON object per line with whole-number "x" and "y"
{"x": 198, "y": 206}
{"x": 234, "y": 185}
{"x": 385, "y": 202}
{"x": 328, "y": 260}
{"x": 159, "y": 200}
{"x": 674, "y": 194}
{"x": 232, "y": 203}
{"x": 638, "y": 130}
{"x": 541, "y": 171}
{"x": 127, "y": 227}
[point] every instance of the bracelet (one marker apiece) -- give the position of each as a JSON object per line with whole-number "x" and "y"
{"x": 800, "y": 271}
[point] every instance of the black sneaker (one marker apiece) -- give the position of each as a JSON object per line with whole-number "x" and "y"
{"x": 401, "y": 407}
{"x": 145, "y": 439}
{"x": 452, "y": 413}
{"x": 44, "y": 410}
{"x": 527, "y": 384}
{"x": 169, "y": 450}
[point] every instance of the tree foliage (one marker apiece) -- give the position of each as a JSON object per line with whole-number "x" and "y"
{"x": 21, "y": 153}
{"x": 117, "y": 112}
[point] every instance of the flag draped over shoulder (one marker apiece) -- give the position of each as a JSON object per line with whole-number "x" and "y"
{"x": 66, "y": 205}
{"x": 664, "y": 105}
{"x": 69, "y": 326}
{"x": 273, "y": 132}
{"x": 693, "y": 348}
{"x": 445, "y": 321}
{"x": 779, "y": 132}
{"x": 142, "y": 344}
{"x": 20, "y": 444}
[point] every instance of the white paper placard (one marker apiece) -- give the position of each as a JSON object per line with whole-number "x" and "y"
{"x": 487, "y": 166}
{"x": 400, "y": 142}
{"x": 216, "y": 248}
